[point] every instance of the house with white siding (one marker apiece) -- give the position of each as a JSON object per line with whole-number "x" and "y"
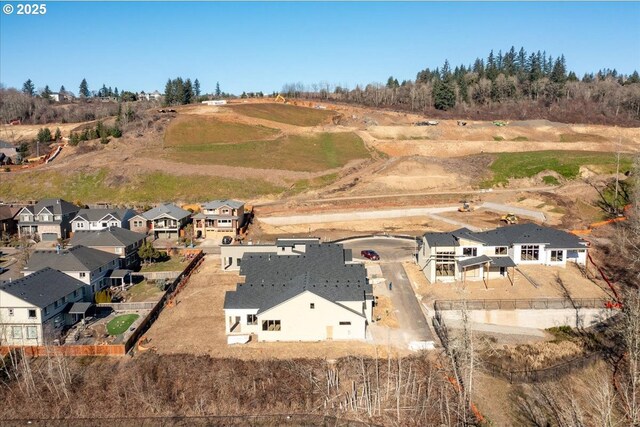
{"x": 316, "y": 293}
{"x": 90, "y": 266}
{"x": 462, "y": 254}
{"x": 101, "y": 219}
{"x": 34, "y": 310}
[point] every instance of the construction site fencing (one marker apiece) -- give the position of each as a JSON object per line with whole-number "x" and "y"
{"x": 551, "y": 373}
{"x": 520, "y": 304}
{"x": 293, "y": 420}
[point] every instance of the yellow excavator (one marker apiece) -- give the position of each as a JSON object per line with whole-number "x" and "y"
{"x": 466, "y": 207}
{"x": 509, "y": 218}
{"x": 280, "y": 98}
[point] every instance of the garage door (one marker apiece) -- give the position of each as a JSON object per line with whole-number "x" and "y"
{"x": 49, "y": 237}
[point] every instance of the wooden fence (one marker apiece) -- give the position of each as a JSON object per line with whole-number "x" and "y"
{"x": 127, "y": 306}
{"x": 69, "y": 350}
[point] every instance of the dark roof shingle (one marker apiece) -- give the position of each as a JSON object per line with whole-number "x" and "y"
{"x": 43, "y": 287}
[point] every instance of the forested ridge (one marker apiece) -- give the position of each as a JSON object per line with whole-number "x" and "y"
{"x": 514, "y": 85}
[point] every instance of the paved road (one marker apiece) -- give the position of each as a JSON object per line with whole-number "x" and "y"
{"x": 413, "y": 324}
{"x": 432, "y": 212}
{"x": 429, "y": 193}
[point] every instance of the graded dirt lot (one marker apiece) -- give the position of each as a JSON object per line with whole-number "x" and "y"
{"x": 196, "y": 326}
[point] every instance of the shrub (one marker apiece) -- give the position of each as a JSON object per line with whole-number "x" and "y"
{"x": 498, "y": 138}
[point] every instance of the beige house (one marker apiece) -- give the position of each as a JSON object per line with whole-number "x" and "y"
{"x": 219, "y": 216}
{"x": 315, "y": 294}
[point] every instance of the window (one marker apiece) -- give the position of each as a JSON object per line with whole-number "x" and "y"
{"x": 239, "y": 261}
{"x": 252, "y": 319}
{"x": 75, "y": 293}
{"x": 11, "y": 312}
{"x": 312, "y": 306}
{"x": 530, "y": 253}
{"x": 80, "y": 224}
{"x": 501, "y": 250}
{"x": 104, "y": 224}
{"x": 557, "y": 256}
{"x": 224, "y": 223}
{"x": 46, "y": 311}
{"x": 270, "y": 325}
{"x": 32, "y": 332}
{"x": 445, "y": 264}
{"x": 225, "y": 211}
{"x": 32, "y": 314}
{"x": 470, "y": 251}
{"x": 345, "y": 323}
{"x": 16, "y": 332}
{"x": 56, "y": 304}
{"x": 83, "y": 275}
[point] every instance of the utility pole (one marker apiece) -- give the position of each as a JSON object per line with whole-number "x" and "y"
{"x": 615, "y": 201}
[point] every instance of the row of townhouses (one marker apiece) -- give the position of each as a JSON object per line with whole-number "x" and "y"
{"x": 53, "y": 219}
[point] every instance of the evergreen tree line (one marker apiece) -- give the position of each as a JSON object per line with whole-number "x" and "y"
{"x": 99, "y": 131}
{"x": 181, "y": 91}
{"x": 538, "y": 83}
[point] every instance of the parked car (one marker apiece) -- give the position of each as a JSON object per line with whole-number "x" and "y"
{"x": 2, "y": 270}
{"x": 369, "y": 254}
{"x": 226, "y": 240}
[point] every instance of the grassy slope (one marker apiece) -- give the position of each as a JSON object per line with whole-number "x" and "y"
{"x": 187, "y": 130}
{"x": 565, "y": 163}
{"x": 151, "y": 187}
{"x": 289, "y": 114}
{"x": 297, "y": 153}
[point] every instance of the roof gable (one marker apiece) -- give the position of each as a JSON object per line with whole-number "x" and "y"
{"x": 77, "y": 258}
{"x": 112, "y": 236}
{"x": 43, "y": 287}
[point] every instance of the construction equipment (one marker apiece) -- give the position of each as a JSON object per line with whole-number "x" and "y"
{"x": 509, "y": 218}
{"x": 500, "y": 123}
{"x": 280, "y": 98}
{"x": 466, "y": 207}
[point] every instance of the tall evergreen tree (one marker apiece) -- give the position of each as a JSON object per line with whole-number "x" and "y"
{"x": 84, "y": 89}
{"x": 633, "y": 78}
{"x": 218, "y": 92}
{"x": 29, "y": 88}
{"x": 168, "y": 93}
{"x": 62, "y": 90}
{"x": 196, "y": 87}
{"x": 188, "y": 94}
{"x": 559, "y": 71}
{"x": 46, "y": 92}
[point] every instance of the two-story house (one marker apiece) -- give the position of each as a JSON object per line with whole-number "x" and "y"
{"x": 164, "y": 221}
{"x": 35, "y": 309}
{"x": 49, "y": 219}
{"x": 100, "y": 219}
{"x": 466, "y": 255}
{"x": 315, "y": 293}
{"x": 219, "y": 216}
{"x": 114, "y": 240}
{"x": 90, "y": 266}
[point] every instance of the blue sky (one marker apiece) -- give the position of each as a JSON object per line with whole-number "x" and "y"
{"x": 260, "y": 46}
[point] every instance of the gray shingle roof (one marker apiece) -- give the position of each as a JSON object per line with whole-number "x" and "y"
{"x": 166, "y": 209}
{"x": 55, "y": 206}
{"x": 43, "y": 287}
{"x": 509, "y": 235}
{"x": 215, "y": 204}
{"x": 502, "y": 261}
{"x": 272, "y": 279}
{"x": 112, "y": 236}
{"x": 98, "y": 214}
{"x": 474, "y": 261}
{"x": 77, "y": 258}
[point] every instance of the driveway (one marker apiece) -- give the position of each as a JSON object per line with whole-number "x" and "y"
{"x": 9, "y": 260}
{"x": 390, "y": 249}
{"x": 413, "y": 323}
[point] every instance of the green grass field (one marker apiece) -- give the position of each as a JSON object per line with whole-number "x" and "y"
{"x": 296, "y": 153}
{"x": 565, "y": 163}
{"x": 172, "y": 264}
{"x": 581, "y": 137}
{"x": 120, "y": 324}
{"x": 281, "y": 113}
{"x": 149, "y": 187}
{"x": 195, "y": 130}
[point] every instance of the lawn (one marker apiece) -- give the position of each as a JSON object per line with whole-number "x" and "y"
{"x": 313, "y": 153}
{"x": 172, "y": 264}
{"x": 121, "y": 323}
{"x": 188, "y": 130}
{"x": 143, "y": 291}
{"x": 565, "y": 163}
{"x": 104, "y": 184}
{"x": 281, "y": 113}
